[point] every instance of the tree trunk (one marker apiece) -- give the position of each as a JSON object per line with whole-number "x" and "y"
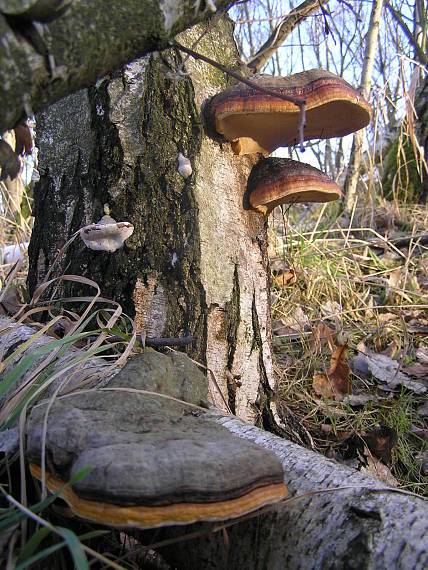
{"x": 353, "y": 173}
{"x": 197, "y": 261}
{"x": 342, "y": 529}
{"x": 335, "y": 519}
{"x": 70, "y": 49}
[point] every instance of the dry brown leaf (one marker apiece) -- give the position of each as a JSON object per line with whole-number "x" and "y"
{"x": 282, "y": 279}
{"x": 322, "y": 335}
{"x": 381, "y": 440}
{"x": 335, "y": 384}
{"x": 377, "y": 469}
{"x": 418, "y": 369}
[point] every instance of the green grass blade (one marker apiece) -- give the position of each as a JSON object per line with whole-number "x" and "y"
{"x": 28, "y": 395}
{"x": 77, "y": 552}
{"x": 16, "y": 516}
{"x": 33, "y": 543}
{"x": 40, "y": 555}
{"x": 21, "y": 368}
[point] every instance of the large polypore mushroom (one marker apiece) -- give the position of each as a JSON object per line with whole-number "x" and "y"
{"x": 275, "y": 181}
{"x": 258, "y": 122}
{"x": 156, "y": 461}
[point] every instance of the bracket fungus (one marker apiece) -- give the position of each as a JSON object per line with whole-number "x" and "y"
{"x": 156, "y": 460}
{"x": 107, "y": 234}
{"x": 275, "y": 181}
{"x": 255, "y": 121}
{"x": 184, "y": 166}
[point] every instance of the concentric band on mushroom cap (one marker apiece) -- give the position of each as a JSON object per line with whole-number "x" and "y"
{"x": 333, "y": 109}
{"x": 275, "y": 181}
{"x": 156, "y": 461}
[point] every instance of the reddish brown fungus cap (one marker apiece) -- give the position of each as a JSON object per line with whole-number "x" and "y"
{"x": 258, "y": 122}
{"x": 275, "y": 181}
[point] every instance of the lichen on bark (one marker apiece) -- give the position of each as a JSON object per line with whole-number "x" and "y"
{"x": 197, "y": 261}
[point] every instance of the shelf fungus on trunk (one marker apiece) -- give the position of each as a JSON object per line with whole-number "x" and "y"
{"x": 107, "y": 234}
{"x": 157, "y": 460}
{"x": 259, "y": 122}
{"x": 275, "y": 181}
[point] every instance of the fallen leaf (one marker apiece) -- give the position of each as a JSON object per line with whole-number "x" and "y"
{"x": 377, "y": 469}
{"x": 357, "y": 400}
{"x": 422, "y": 411}
{"x": 417, "y": 369}
{"x": 420, "y": 432}
{"x": 331, "y": 309}
{"x": 392, "y": 288}
{"x": 297, "y": 320}
{"x": 335, "y": 384}
{"x": 422, "y": 354}
{"x": 386, "y": 317}
{"x": 387, "y": 370}
{"x": 281, "y": 274}
{"x": 322, "y": 335}
{"x": 381, "y": 440}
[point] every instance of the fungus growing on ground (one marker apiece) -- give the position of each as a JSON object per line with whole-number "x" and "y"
{"x": 275, "y": 181}
{"x": 257, "y": 122}
{"x": 107, "y": 234}
{"x": 156, "y": 460}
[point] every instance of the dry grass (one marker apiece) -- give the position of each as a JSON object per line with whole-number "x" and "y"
{"x": 369, "y": 284}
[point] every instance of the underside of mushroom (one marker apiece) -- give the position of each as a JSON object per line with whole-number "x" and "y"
{"x": 259, "y": 122}
{"x": 275, "y": 181}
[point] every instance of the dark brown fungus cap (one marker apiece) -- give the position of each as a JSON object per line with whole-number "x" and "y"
{"x": 156, "y": 461}
{"x": 257, "y": 122}
{"x": 275, "y": 181}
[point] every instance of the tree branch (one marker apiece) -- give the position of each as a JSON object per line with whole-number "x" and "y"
{"x": 419, "y": 52}
{"x": 299, "y": 102}
{"x": 282, "y": 30}
{"x": 42, "y": 63}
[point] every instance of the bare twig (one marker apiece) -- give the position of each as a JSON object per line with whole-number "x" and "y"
{"x": 282, "y": 30}
{"x": 299, "y": 102}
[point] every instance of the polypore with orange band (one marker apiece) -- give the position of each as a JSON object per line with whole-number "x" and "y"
{"x": 257, "y": 122}
{"x": 154, "y": 516}
{"x": 155, "y": 461}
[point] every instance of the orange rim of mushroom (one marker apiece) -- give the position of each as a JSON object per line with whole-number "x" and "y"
{"x": 257, "y": 122}
{"x": 154, "y": 516}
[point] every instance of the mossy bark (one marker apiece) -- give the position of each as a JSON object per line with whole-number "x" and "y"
{"x": 73, "y": 48}
{"x": 197, "y": 261}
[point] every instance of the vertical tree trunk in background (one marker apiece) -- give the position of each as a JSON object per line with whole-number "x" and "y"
{"x": 197, "y": 261}
{"x": 353, "y": 173}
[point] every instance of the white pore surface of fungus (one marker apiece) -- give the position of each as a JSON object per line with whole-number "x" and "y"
{"x": 106, "y": 235}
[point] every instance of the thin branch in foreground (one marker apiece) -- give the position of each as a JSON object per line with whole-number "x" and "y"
{"x": 301, "y": 103}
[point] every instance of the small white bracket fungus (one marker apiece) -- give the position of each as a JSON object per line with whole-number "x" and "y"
{"x": 184, "y": 166}
{"x": 107, "y": 234}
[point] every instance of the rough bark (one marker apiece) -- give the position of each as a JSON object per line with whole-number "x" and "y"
{"x": 42, "y": 65}
{"x": 352, "y": 528}
{"x": 421, "y": 129}
{"x": 197, "y": 261}
{"x": 353, "y": 172}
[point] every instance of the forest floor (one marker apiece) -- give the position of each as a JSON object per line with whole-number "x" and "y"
{"x": 350, "y": 322}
